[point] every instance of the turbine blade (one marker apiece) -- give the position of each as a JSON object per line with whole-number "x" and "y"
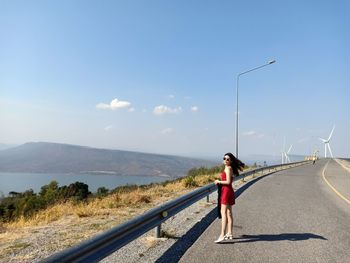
{"x": 323, "y": 140}
{"x": 330, "y": 135}
{"x": 290, "y": 148}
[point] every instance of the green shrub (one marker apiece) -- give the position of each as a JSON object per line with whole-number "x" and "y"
{"x": 189, "y": 182}
{"x": 203, "y": 171}
{"x": 28, "y": 203}
{"x": 102, "y": 192}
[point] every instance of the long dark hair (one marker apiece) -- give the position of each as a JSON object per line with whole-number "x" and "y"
{"x": 235, "y": 163}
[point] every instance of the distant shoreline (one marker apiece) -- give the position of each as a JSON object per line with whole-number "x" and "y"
{"x": 20, "y": 182}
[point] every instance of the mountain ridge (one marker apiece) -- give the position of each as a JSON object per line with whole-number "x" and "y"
{"x": 48, "y": 157}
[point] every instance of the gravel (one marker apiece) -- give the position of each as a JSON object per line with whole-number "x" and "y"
{"x": 180, "y": 232}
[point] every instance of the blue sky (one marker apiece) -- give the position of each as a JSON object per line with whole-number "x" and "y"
{"x": 160, "y": 76}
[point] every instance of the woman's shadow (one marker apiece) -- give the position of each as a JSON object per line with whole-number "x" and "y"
{"x": 175, "y": 252}
{"x": 276, "y": 237}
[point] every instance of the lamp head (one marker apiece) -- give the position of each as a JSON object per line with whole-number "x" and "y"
{"x": 271, "y": 62}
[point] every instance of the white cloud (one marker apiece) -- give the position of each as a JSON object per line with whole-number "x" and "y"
{"x": 194, "y": 108}
{"x": 114, "y": 105}
{"x": 249, "y": 133}
{"x": 171, "y": 96}
{"x": 167, "y": 131}
{"x": 108, "y": 128}
{"x": 161, "y": 110}
{"x": 253, "y": 134}
{"x": 131, "y": 109}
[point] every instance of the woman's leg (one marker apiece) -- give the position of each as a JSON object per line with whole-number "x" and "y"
{"x": 223, "y": 219}
{"x": 229, "y": 220}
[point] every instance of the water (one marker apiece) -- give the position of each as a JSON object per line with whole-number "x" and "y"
{"x": 20, "y": 182}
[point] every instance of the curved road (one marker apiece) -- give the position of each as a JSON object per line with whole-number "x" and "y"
{"x": 289, "y": 216}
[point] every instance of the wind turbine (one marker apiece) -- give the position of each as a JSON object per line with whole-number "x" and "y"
{"x": 286, "y": 154}
{"x": 283, "y": 150}
{"x": 327, "y": 145}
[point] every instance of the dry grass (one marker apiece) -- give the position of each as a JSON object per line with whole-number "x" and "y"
{"x": 69, "y": 223}
{"x": 72, "y": 222}
{"x": 122, "y": 204}
{"x": 43, "y": 217}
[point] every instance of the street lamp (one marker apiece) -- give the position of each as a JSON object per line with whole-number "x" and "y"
{"x": 245, "y": 72}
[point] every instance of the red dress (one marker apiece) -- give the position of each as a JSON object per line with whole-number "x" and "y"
{"x": 227, "y": 193}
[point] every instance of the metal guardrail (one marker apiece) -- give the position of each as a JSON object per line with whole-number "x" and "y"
{"x": 102, "y": 245}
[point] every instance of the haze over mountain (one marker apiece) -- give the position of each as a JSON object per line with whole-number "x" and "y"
{"x": 269, "y": 159}
{"x": 44, "y": 157}
{"x": 4, "y": 146}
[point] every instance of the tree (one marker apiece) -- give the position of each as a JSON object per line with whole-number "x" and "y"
{"x": 49, "y": 193}
{"x": 102, "y": 191}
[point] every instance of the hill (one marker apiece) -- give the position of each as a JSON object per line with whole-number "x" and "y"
{"x": 44, "y": 157}
{"x": 4, "y": 146}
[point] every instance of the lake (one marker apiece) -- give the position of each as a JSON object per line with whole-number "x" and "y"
{"x": 20, "y": 182}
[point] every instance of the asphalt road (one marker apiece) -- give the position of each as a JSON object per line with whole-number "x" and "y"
{"x": 289, "y": 216}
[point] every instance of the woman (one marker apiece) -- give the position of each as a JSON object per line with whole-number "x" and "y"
{"x": 227, "y": 199}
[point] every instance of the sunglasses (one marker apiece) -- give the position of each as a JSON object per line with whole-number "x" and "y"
{"x": 226, "y": 159}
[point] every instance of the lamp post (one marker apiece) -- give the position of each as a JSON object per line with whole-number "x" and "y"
{"x": 245, "y": 72}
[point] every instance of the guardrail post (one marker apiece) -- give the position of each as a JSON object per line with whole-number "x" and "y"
{"x": 157, "y": 231}
{"x": 207, "y": 198}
